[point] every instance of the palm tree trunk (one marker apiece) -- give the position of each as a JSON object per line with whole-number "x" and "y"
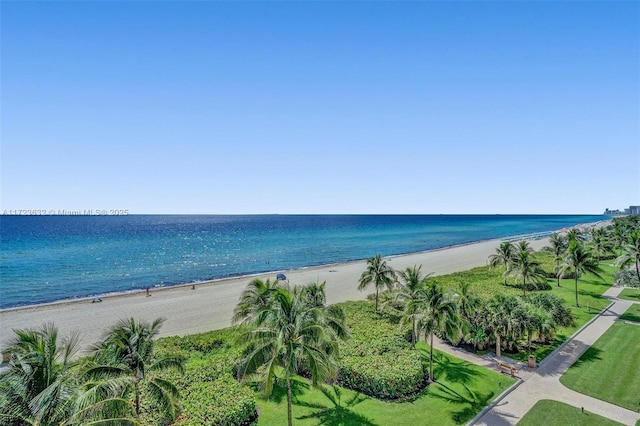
{"x": 576, "y": 280}
{"x": 498, "y": 346}
{"x": 413, "y": 334}
{"x": 638, "y": 268}
{"x": 376, "y": 299}
{"x": 289, "y": 398}
{"x": 137, "y": 401}
{"x": 529, "y": 337}
{"x": 558, "y": 277}
{"x": 524, "y": 287}
{"x": 431, "y": 359}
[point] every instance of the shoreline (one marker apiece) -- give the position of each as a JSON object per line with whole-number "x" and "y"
{"x": 210, "y": 304}
{"x": 213, "y": 281}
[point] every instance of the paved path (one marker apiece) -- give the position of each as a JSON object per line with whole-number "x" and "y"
{"x": 544, "y": 382}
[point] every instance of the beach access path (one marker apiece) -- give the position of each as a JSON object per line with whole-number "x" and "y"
{"x": 210, "y": 305}
{"x": 544, "y": 382}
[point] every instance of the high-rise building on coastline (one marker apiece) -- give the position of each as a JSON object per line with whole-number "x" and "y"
{"x": 630, "y": 210}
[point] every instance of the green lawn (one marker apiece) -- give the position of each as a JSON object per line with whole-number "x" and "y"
{"x": 609, "y": 369}
{"x": 632, "y": 314}
{"x": 554, "y": 413}
{"x": 632, "y": 294}
{"x": 462, "y": 390}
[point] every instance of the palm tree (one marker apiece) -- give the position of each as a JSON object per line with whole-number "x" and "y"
{"x": 559, "y": 313}
{"x": 504, "y": 256}
{"x": 411, "y": 282}
{"x": 558, "y": 245}
{"x": 535, "y": 319}
{"x": 435, "y": 311}
{"x": 503, "y": 319}
{"x": 600, "y": 243}
{"x": 379, "y": 274}
{"x": 292, "y": 332}
{"x": 256, "y": 296}
{"x": 44, "y": 385}
{"x": 127, "y": 350}
{"x": 631, "y": 252}
{"x": 525, "y": 266}
{"x": 469, "y": 304}
{"x": 581, "y": 261}
{"x": 574, "y": 234}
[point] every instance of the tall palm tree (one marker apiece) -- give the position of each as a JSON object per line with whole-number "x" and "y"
{"x": 379, "y": 274}
{"x": 409, "y": 286}
{"x": 44, "y": 385}
{"x": 581, "y": 261}
{"x": 600, "y": 243}
{"x": 255, "y": 296}
{"x": 575, "y": 234}
{"x": 525, "y": 266}
{"x": 631, "y": 252}
{"x": 503, "y": 257}
{"x": 127, "y": 350}
{"x": 435, "y": 311}
{"x": 293, "y": 332}
{"x": 557, "y": 247}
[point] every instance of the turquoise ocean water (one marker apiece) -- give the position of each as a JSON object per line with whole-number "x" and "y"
{"x": 47, "y": 258}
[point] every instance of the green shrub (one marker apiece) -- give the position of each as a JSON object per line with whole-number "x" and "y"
{"x": 392, "y": 375}
{"x": 209, "y": 393}
{"x": 627, "y": 278}
{"x": 222, "y": 402}
{"x": 377, "y": 360}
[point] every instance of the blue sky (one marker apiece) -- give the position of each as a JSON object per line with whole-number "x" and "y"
{"x": 321, "y": 107}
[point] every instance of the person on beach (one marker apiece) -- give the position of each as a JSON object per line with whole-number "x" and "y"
{"x": 148, "y": 292}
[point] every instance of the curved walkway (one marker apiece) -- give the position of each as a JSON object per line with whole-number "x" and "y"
{"x": 544, "y": 383}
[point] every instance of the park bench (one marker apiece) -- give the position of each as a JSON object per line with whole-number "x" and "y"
{"x": 507, "y": 368}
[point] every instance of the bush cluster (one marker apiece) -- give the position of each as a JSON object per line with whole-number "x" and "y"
{"x": 377, "y": 360}
{"x": 209, "y": 393}
{"x": 627, "y": 278}
{"x": 221, "y": 402}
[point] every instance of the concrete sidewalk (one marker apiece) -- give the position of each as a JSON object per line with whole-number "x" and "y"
{"x": 544, "y": 382}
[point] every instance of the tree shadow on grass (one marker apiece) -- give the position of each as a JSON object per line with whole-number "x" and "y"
{"x": 632, "y": 296}
{"x": 451, "y": 369}
{"x": 630, "y": 317}
{"x": 279, "y": 391}
{"x": 338, "y": 412}
{"x": 591, "y": 355}
{"x": 472, "y": 402}
{"x": 593, "y": 281}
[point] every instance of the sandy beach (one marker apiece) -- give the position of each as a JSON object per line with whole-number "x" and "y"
{"x": 210, "y": 305}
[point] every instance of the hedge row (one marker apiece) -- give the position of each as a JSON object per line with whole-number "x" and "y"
{"x": 377, "y": 360}
{"x": 392, "y": 375}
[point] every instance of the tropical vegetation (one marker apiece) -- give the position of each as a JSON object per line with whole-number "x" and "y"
{"x": 291, "y": 331}
{"x": 290, "y": 352}
{"x": 46, "y": 385}
{"x": 378, "y": 273}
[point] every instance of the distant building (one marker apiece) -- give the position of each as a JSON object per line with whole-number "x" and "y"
{"x": 630, "y": 210}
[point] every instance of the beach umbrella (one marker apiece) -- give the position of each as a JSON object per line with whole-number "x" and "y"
{"x": 281, "y": 277}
